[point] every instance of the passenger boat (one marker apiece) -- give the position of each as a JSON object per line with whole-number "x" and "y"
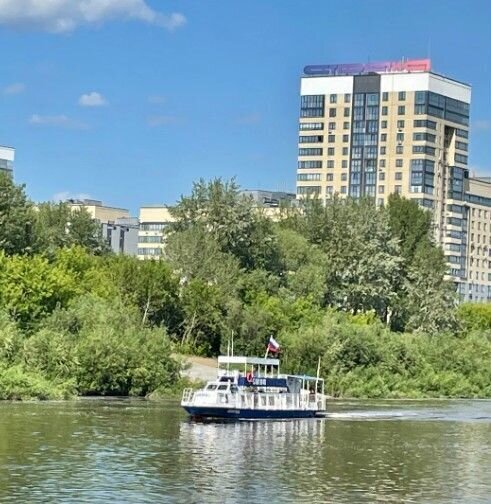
{"x": 248, "y": 388}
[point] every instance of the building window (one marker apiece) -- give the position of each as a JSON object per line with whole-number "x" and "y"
{"x": 343, "y": 189}
{"x": 345, "y": 151}
{"x": 330, "y": 163}
{"x": 308, "y": 177}
{"x": 385, "y": 111}
{"x": 345, "y": 138}
{"x": 330, "y": 151}
{"x": 312, "y": 106}
{"x": 383, "y": 137}
{"x": 310, "y": 152}
{"x": 344, "y": 163}
{"x": 398, "y": 189}
{"x": 459, "y": 158}
{"x": 344, "y": 177}
{"x": 333, "y": 98}
{"x": 329, "y": 189}
{"x": 382, "y": 151}
{"x": 347, "y": 98}
{"x": 383, "y": 124}
{"x": 310, "y": 139}
{"x": 381, "y": 189}
{"x": 381, "y": 163}
{"x": 331, "y": 138}
{"x": 399, "y": 149}
{"x": 346, "y": 125}
{"x": 311, "y": 126}
{"x": 346, "y": 112}
{"x": 329, "y": 177}
{"x": 309, "y": 164}
{"x": 400, "y": 123}
{"x": 309, "y": 190}
{"x": 332, "y": 112}
{"x": 385, "y": 96}
{"x": 401, "y": 110}
{"x": 398, "y": 175}
{"x": 402, "y": 95}
{"x": 398, "y": 163}
{"x": 381, "y": 176}
{"x": 400, "y": 137}
{"x": 332, "y": 126}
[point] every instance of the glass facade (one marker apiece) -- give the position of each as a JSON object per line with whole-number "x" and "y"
{"x": 364, "y": 144}
{"x": 427, "y": 102}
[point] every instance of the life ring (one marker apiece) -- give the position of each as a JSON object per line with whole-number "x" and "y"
{"x": 249, "y": 377}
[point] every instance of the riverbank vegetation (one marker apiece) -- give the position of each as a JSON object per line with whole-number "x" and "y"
{"x": 360, "y": 286}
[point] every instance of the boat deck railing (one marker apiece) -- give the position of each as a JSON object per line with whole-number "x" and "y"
{"x": 250, "y": 400}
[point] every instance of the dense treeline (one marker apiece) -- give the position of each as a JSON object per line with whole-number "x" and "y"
{"x": 360, "y": 286}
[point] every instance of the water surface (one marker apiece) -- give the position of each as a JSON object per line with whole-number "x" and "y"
{"x": 136, "y": 451}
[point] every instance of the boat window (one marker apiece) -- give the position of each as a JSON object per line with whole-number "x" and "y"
{"x": 222, "y": 387}
{"x": 233, "y": 389}
{"x": 212, "y": 386}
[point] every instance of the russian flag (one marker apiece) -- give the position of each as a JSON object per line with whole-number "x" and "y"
{"x": 273, "y": 345}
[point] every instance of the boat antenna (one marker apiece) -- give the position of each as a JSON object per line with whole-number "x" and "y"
{"x": 318, "y": 374}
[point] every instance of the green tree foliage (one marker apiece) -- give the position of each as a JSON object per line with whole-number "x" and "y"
{"x": 474, "y": 317}
{"x": 231, "y": 219}
{"x": 151, "y": 286}
{"x": 16, "y": 217}
{"x": 56, "y": 225}
{"x": 329, "y": 280}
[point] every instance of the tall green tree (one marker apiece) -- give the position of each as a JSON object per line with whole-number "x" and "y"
{"x": 233, "y": 220}
{"x": 16, "y": 217}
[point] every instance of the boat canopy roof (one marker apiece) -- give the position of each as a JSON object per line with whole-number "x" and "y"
{"x": 251, "y": 361}
{"x": 305, "y": 378}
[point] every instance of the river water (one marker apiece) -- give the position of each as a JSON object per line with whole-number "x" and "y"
{"x": 135, "y": 451}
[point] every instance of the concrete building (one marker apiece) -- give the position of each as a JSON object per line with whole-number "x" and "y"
{"x": 119, "y": 229}
{"x": 122, "y": 235}
{"x": 397, "y": 127}
{"x": 153, "y": 221}
{"x": 7, "y": 155}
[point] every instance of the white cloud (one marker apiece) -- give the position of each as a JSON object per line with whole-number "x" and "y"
{"x": 15, "y": 88}
{"x": 56, "y": 120}
{"x": 93, "y": 99}
{"x": 61, "y": 16}
{"x": 66, "y": 195}
{"x": 163, "y": 120}
{"x": 481, "y": 124}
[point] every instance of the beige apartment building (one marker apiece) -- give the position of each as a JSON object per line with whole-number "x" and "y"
{"x": 153, "y": 221}
{"x": 397, "y": 127}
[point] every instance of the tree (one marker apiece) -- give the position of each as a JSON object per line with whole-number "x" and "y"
{"x": 16, "y": 217}
{"x": 362, "y": 258}
{"x": 431, "y": 300}
{"x": 233, "y": 220}
{"x": 410, "y": 224}
{"x": 31, "y": 288}
{"x": 195, "y": 254}
{"x": 57, "y": 225}
{"x": 149, "y": 285}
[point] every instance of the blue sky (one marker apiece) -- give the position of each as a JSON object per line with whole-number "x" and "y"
{"x": 132, "y": 102}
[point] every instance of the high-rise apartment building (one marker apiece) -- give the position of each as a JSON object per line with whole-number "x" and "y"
{"x": 397, "y": 127}
{"x": 7, "y": 155}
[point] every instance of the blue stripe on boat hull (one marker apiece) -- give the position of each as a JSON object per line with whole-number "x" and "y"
{"x": 248, "y": 414}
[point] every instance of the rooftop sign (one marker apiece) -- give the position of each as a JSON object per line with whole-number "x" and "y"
{"x": 421, "y": 65}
